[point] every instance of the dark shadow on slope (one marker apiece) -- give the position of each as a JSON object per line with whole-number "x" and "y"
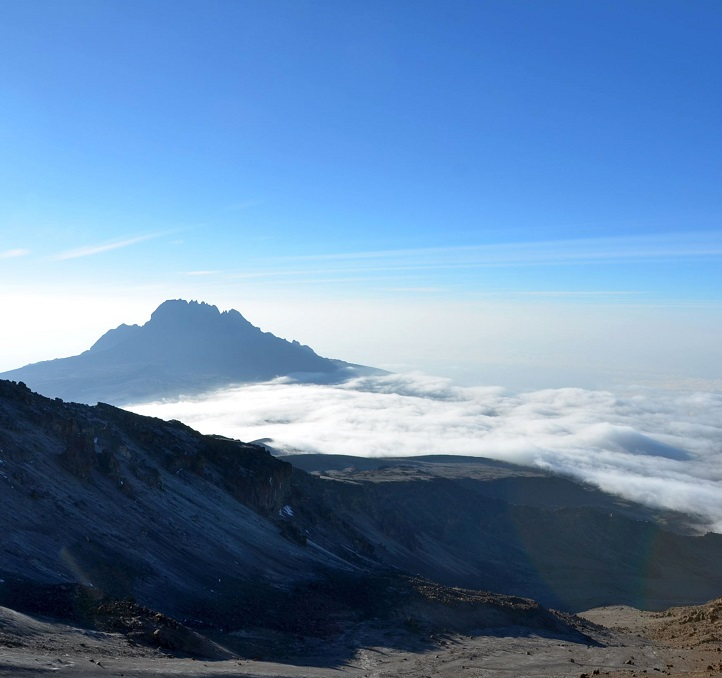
{"x": 321, "y": 624}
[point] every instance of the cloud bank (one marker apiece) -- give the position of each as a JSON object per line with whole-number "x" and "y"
{"x": 660, "y": 448}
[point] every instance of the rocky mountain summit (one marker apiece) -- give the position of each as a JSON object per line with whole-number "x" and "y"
{"x": 185, "y": 348}
{"x": 100, "y": 506}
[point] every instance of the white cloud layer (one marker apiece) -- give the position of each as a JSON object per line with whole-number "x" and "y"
{"x": 661, "y": 448}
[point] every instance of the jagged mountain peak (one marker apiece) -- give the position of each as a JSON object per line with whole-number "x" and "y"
{"x": 179, "y": 315}
{"x": 182, "y": 312}
{"x": 180, "y": 308}
{"x": 186, "y": 347}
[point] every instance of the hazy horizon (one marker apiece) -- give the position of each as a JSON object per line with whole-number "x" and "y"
{"x": 486, "y": 348}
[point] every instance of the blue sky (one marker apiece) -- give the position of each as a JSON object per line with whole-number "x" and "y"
{"x": 509, "y": 191}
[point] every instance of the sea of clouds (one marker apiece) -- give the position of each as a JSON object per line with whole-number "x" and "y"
{"x": 661, "y": 448}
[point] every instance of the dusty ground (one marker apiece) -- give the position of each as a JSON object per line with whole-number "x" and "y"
{"x": 684, "y": 642}
{"x": 688, "y": 640}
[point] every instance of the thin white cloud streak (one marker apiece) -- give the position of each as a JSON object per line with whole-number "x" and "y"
{"x": 573, "y": 293}
{"x": 92, "y": 250}
{"x": 243, "y": 205}
{"x": 660, "y": 248}
{"x": 672, "y": 246}
{"x": 12, "y": 254}
{"x": 663, "y": 449}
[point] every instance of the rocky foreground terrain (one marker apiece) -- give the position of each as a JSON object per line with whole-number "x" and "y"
{"x": 617, "y": 642}
{"x": 133, "y": 546}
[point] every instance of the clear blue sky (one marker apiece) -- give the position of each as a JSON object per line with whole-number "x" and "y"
{"x": 553, "y": 169}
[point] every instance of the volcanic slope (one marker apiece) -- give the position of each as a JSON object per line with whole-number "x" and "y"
{"x": 109, "y": 516}
{"x": 216, "y": 530}
{"x": 185, "y": 348}
{"x": 486, "y": 524}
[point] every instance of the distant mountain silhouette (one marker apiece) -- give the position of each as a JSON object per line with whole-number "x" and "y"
{"x": 185, "y": 347}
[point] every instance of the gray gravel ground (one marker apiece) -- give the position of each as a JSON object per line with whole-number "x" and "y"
{"x": 32, "y": 647}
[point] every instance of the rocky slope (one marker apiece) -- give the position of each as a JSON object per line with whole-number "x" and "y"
{"x": 185, "y": 347}
{"x": 486, "y": 524}
{"x": 99, "y": 505}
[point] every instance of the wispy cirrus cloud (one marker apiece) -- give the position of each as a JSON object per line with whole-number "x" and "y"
{"x": 12, "y": 254}
{"x": 411, "y": 268}
{"x": 665, "y": 246}
{"x": 92, "y": 250}
{"x": 575, "y": 293}
{"x": 243, "y": 205}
